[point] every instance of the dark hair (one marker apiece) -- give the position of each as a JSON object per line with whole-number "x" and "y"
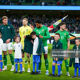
{"x": 16, "y": 37}
{"x": 38, "y": 21}
{"x": 63, "y": 23}
{"x": 57, "y": 34}
{"x": 77, "y": 39}
{"x": 33, "y": 33}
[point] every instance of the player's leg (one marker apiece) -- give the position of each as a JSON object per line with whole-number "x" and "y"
{"x": 39, "y": 69}
{"x": 75, "y": 69}
{"x": 67, "y": 66}
{"x": 28, "y": 59}
{"x": 79, "y": 70}
{"x": 34, "y": 61}
{"x": 5, "y": 56}
{"x": 59, "y": 67}
{"x": 37, "y": 63}
{"x": 16, "y": 65}
{"x": 53, "y": 68}
{"x": 46, "y": 59}
{"x": 10, "y": 51}
{"x": 23, "y": 62}
{"x": 20, "y": 62}
{"x": 1, "y": 63}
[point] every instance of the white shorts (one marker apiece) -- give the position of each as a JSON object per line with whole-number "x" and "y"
{"x": 46, "y": 49}
{"x": 8, "y": 46}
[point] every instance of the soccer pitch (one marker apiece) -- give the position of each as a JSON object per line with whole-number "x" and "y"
{"x": 7, "y": 75}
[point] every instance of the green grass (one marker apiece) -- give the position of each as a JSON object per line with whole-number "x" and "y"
{"x": 7, "y": 75}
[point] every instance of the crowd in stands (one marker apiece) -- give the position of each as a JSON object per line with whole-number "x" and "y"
{"x": 40, "y": 2}
{"x": 73, "y": 23}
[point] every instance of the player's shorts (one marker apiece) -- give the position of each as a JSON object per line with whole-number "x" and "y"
{"x": 58, "y": 62}
{"x": 77, "y": 65}
{"x": 46, "y": 49}
{"x": 17, "y": 60}
{"x": 36, "y": 58}
{"x": 0, "y": 57}
{"x": 8, "y": 46}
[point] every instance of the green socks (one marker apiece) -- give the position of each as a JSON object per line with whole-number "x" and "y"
{"x": 67, "y": 65}
{"x": 61, "y": 66}
{"x": 12, "y": 59}
{"x": 46, "y": 63}
{"x": 5, "y": 60}
{"x": 40, "y": 65}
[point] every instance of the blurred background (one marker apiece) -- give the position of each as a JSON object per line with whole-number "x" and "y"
{"x": 40, "y": 2}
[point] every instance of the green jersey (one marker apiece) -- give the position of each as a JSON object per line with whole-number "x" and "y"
{"x": 43, "y": 31}
{"x": 64, "y": 36}
{"x": 7, "y": 32}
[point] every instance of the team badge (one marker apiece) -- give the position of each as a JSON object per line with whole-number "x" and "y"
{"x": 23, "y": 32}
{"x": 8, "y": 27}
{"x": 64, "y": 33}
{"x": 43, "y": 30}
{"x": 2, "y": 28}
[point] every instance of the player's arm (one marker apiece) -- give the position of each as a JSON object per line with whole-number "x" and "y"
{"x": 30, "y": 30}
{"x": 47, "y": 35}
{"x": 20, "y": 32}
{"x": 50, "y": 28}
{"x": 68, "y": 38}
{"x": 12, "y": 31}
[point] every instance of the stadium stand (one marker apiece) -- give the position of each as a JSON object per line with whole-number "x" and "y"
{"x": 40, "y": 2}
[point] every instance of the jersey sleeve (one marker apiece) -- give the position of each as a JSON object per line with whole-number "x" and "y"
{"x": 13, "y": 31}
{"x": 21, "y": 47}
{"x": 68, "y": 36}
{"x": 30, "y": 30}
{"x": 20, "y": 32}
{"x": 47, "y": 34}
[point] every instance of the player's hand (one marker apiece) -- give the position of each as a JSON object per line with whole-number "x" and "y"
{"x": 40, "y": 36}
{"x": 24, "y": 36}
{"x": 8, "y": 41}
{"x": 32, "y": 41}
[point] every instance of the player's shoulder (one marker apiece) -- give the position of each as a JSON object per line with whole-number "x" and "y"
{"x": 35, "y": 29}
{"x": 1, "y": 40}
{"x": 21, "y": 27}
{"x": 45, "y": 27}
{"x": 59, "y": 42}
{"x": 10, "y": 25}
{"x": 1, "y": 25}
{"x": 58, "y": 31}
{"x": 66, "y": 31}
{"x": 29, "y": 27}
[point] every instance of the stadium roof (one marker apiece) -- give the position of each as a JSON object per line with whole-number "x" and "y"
{"x": 11, "y": 7}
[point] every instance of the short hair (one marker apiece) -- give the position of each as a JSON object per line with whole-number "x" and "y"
{"x": 77, "y": 39}
{"x": 16, "y": 37}
{"x": 4, "y": 17}
{"x": 38, "y": 21}
{"x": 33, "y": 33}
{"x": 63, "y": 23}
{"x": 25, "y": 19}
{"x": 57, "y": 34}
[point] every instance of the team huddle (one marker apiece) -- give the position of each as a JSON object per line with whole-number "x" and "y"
{"x": 34, "y": 42}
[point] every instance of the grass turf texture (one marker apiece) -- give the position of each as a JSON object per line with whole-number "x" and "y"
{"x": 7, "y": 75}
